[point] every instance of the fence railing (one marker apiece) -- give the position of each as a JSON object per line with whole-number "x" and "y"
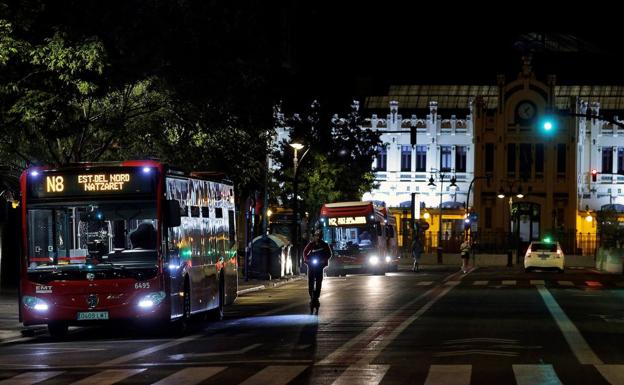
{"x": 497, "y": 242}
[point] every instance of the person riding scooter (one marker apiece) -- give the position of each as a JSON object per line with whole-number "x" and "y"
{"x": 316, "y": 255}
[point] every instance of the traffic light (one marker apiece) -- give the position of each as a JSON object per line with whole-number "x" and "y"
{"x": 594, "y": 174}
{"x": 413, "y": 135}
{"x": 548, "y": 125}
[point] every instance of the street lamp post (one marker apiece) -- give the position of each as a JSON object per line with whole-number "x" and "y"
{"x": 295, "y": 225}
{"x": 509, "y": 193}
{"x": 431, "y": 184}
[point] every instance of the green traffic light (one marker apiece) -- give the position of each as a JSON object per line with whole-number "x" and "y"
{"x": 548, "y": 125}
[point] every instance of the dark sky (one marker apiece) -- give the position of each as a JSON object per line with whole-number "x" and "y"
{"x": 343, "y": 53}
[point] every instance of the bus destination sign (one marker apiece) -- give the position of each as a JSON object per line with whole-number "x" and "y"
{"x": 91, "y": 183}
{"x": 346, "y": 221}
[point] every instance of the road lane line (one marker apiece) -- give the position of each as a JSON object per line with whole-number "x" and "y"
{"x": 214, "y": 354}
{"x": 144, "y": 352}
{"x": 510, "y": 282}
{"x": 565, "y": 283}
{"x": 291, "y": 305}
{"x": 274, "y": 375}
{"x": 367, "y": 374}
{"x": 614, "y": 374}
{"x": 375, "y": 347}
{"x": 30, "y": 378}
{"x": 535, "y": 374}
{"x": 108, "y": 377}
{"x": 425, "y": 283}
{"x": 372, "y": 332}
{"x": 573, "y": 336}
{"x": 190, "y": 376}
{"x": 480, "y": 283}
{"x": 537, "y": 282}
{"x": 449, "y": 375}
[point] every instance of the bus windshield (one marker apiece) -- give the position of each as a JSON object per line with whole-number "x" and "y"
{"x": 70, "y": 235}
{"x": 345, "y": 239}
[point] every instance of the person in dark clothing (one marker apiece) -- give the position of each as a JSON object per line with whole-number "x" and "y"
{"x": 144, "y": 237}
{"x": 316, "y": 255}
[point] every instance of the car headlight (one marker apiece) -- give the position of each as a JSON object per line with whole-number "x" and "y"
{"x": 34, "y": 303}
{"x": 152, "y": 299}
{"x": 388, "y": 259}
{"x": 315, "y": 261}
{"x": 373, "y": 260}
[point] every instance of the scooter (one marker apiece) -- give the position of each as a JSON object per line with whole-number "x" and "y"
{"x": 314, "y": 304}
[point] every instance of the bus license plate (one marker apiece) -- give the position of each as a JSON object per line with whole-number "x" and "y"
{"x": 92, "y": 315}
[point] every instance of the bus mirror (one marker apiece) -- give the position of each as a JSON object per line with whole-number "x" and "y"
{"x": 379, "y": 229}
{"x": 172, "y": 213}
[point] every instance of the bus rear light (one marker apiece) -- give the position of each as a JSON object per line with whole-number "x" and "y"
{"x": 34, "y": 303}
{"x": 152, "y": 299}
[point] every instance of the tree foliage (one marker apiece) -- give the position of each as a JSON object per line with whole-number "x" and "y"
{"x": 338, "y": 164}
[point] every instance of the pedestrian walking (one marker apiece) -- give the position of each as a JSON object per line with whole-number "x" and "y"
{"x": 465, "y": 254}
{"x": 417, "y": 250}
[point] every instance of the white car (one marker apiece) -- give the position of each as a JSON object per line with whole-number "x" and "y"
{"x": 544, "y": 255}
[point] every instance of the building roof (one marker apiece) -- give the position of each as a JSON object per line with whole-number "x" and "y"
{"x": 458, "y": 96}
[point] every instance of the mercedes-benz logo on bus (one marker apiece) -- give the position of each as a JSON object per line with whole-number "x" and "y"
{"x": 92, "y": 300}
{"x": 90, "y": 276}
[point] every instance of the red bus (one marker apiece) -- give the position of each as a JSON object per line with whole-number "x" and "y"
{"x": 126, "y": 241}
{"x": 362, "y": 238}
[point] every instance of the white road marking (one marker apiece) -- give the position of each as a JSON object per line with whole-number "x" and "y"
{"x": 213, "y": 354}
{"x": 565, "y": 283}
{"x": 29, "y": 378}
{"x": 375, "y": 347}
{"x": 579, "y": 346}
{"x": 424, "y": 283}
{"x": 367, "y": 374}
{"x": 274, "y": 375}
{"x": 480, "y": 283}
{"x": 145, "y": 352}
{"x": 481, "y": 339}
{"x": 336, "y": 355}
{"x": 485, "y": 352}
{"x": 614, "y": 374}
{"x": 535, "y": 374}
{"x": 537, "y": 282}
{"x": 449, "y": 375}
{"x": 510, "y": 282}
{"x": 190, "y": 376}
{"x": 108, "y": 377}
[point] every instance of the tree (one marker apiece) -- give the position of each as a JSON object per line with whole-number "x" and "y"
{"x": 338, "y": 166}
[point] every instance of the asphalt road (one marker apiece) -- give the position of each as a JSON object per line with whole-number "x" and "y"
{"x": 490, "y": 326}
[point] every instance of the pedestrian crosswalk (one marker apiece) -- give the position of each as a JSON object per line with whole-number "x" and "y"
{"x": 438, "y": 374}
{"x": 586, "y": 284}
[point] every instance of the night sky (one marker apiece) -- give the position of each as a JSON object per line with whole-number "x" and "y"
{"x": 338, "y": 54}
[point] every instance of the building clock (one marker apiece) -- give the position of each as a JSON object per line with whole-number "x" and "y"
{"x": 525, "y": 111}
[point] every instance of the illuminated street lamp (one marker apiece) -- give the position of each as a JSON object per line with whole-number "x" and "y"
{"x": 295, "y": 228}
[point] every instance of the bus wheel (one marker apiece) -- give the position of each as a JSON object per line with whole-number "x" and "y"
{"x": 217, "y": 314}
{"x": 57, "y": 329}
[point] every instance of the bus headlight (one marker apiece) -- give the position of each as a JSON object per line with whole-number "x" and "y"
{"x": 373, "y": 260}
{"x": 315, "y": 261}
{"x": 34, "y": 303}
{"x": 388, "y": 259}
{"x": 152, "y": 299}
